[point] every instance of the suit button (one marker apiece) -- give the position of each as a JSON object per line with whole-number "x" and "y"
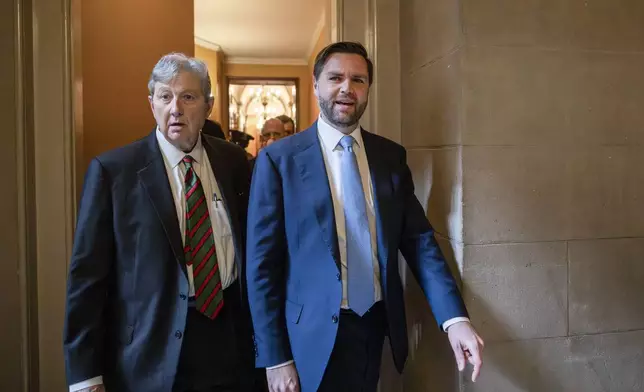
{"x": 334, "y": 319}
{"x": 339, "y": 276}
{"x": 178, "y": 334}
{"x": 183, "y": 297}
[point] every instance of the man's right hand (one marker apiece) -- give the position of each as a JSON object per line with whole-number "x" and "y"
{"x": 95, "y": 388}
{"x": 283, "y": 379}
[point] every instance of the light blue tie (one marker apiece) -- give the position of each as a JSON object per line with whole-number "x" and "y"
{"x": 359, "y": 257}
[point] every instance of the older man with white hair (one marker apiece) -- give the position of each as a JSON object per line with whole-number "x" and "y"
{"x": 156, "y": 300}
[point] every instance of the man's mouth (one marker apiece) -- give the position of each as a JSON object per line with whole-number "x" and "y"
{"x": 345, "y": 103}
{"x": 177, "y": 124}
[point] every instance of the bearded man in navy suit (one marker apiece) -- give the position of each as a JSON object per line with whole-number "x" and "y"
{"x": 330, "y": 207}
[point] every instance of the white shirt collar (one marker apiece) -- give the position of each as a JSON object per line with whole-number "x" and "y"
{"x": 173, "y": 155}
{"x": 331, "y": 137}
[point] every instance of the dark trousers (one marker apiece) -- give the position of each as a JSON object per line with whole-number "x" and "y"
{"x": 354, "y": 365}
{"x": 214, "y": 354}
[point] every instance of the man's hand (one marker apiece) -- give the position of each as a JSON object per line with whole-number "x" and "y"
{"x": 95, "y": 388}
{"x": 467, "y": 345}
{"x": 283, "y": 379}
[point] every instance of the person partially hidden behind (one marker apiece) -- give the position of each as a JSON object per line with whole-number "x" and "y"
{"x": 242, "y": 139}
{"x": 289, "y": 124}
{"x": 213, "y": 128}
{"x": 330, "y": 207}
{"x": 272, "y": 130}
{"x": 156, "y": 298}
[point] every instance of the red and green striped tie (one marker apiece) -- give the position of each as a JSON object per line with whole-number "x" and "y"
{"x": 200, "y": 245}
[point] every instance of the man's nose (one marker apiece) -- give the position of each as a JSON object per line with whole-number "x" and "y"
{"x": 176, "y": 108}
{"x": 346, "y": 86}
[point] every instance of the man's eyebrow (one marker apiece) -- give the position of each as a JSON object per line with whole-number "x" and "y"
{"x": 359, "y": 75}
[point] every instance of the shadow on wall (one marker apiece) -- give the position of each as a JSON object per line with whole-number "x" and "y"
{"x": 431, "y": 365}
{"x": 517, "y": 365}
{"x": 590, "y": 363}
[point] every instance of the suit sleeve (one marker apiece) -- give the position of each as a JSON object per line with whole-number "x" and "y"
{"x": 424, "y": 257}
{"x": 92, "y": 259}
{"x": 266, "y": 264}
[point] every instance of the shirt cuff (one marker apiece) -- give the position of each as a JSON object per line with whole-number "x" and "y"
{"x": 453, "y": 321}
{"x": 92, "y": 382}
{"x": 280, "y": 365}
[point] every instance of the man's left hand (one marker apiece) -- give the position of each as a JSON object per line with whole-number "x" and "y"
{"x": 467, "y": 345}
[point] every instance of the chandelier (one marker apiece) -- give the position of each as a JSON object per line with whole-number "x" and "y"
{"x": 264, "y": 96}
{"x": 262, "y": 102}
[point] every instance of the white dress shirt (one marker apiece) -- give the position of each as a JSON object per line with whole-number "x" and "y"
{"x": 222, "y": 233}
{"x": 332, "y": 152}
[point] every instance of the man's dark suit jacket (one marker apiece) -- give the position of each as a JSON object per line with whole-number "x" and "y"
{"x": 293, "y": 261}
{"x": 128, "y": 285}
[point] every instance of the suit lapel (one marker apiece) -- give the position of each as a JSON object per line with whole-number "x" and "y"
{"x": 225, "y": 181}
{"x": 382, "y": 191}
{"x": 313, "y": 173}
{"x": 154, "y": 178}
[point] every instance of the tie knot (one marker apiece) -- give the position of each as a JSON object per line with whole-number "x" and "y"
{"x": 187, "y": 161}
{"x": 347, "y": 142}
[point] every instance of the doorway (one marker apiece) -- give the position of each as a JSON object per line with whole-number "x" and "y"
{"x": 58, "y": 132}
{"x": 251, "y": 102}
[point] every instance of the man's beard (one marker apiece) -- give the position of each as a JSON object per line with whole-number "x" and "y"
{"x": 326, "y": 106}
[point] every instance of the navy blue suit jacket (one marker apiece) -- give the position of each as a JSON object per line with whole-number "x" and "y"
{"x": 293, "y": 260}
{"x": 127, "y": 287}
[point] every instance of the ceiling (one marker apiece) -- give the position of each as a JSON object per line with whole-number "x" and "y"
{"x": 260, "y": 31}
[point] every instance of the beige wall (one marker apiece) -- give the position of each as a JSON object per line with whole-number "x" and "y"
{"x": 300, "y": 72}
{"x": 121, "y": 42}
{"x": 529, "y": 116}
{"x": 214, "y": 60}
{"x": 552, "y": 178}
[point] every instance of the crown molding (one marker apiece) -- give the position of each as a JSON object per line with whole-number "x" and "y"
{"x": 266, "y": 61}
{"x": 207, "y": 44}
